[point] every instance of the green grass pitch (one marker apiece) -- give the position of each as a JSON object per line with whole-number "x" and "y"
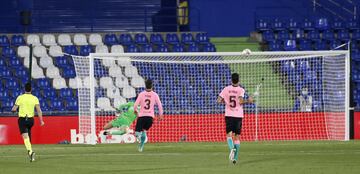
{"x": 182, "y": 158}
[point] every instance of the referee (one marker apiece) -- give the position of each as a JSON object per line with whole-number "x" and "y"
{"x": 26, "y": 104}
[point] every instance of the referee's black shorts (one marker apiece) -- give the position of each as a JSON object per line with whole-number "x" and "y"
{"x": 233, "y": 124}
{"x": 25, "y": 124}
{"x": 143, "y": 123}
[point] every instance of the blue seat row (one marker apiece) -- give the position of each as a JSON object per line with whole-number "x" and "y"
{"x": 319, "y": 23}
{"x": 156, "y": 39}
{"x": 16, "y": 40}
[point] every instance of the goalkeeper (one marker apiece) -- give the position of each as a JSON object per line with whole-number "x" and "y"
{"x": 125, "y": 117}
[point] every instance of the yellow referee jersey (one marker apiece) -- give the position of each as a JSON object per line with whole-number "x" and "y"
{"x": 26, "y": 103}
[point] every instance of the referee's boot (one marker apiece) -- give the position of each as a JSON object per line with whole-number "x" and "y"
{"x": 31, "y": 156}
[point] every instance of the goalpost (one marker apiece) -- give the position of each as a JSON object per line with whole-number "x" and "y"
{"x": 189, "y": 83}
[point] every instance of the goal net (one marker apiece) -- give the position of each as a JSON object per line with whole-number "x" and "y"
{"x": 299, "y": 95}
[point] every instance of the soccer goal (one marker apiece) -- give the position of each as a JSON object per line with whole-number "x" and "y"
{"x": 299, "y": 95}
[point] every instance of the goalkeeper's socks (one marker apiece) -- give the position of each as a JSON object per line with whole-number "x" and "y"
{"x": 237, "y": 148}
{"x": 28, "y": 145}
{"x": 230, "y": 143}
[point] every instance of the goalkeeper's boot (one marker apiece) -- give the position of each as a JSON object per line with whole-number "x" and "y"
{"x": 32, "y": 156}
{"x": 232, "y": 154}
{"x": 234, "y": 162}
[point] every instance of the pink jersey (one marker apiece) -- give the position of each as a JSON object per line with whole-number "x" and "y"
{"x": 147, "y": 101}
{"x": 231, "y": 95}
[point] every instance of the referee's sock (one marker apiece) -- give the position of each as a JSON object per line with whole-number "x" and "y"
{"x": 28, "y": 145}
{"x": 237, "y": 147}
{"x": 230, "y": 143}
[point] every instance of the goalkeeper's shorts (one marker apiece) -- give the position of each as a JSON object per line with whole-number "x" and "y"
{"x": 120, "y": 122}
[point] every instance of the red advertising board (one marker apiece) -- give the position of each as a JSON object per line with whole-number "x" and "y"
{"x": 189, "y": 128}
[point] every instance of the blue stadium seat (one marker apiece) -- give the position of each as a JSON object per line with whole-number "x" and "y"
{"x": 110, "y": 39}
{"x": 6, "y": 104}
{"x": 146, "y": 48}
{"x": 262, "y": 25}
{"x": 62, "y": 61}
{"x": 356, "y": 35}
{"x": 68, "y": 72}
{"x": 354, "y": 45}
{"x": 21, "y": 72}
{"x": 2, "y": 62}
{"x": 275, "y": 46}
{"x": 178, "y": 48}
{"x": 290, "y": 45}
{"x": 328, "y": 35}
{"x": 37, "y": 93}
{"x": 322, "y": 24}
{"x": 268, "y": 36}
{"x": 56, "y": 105}
{"x": 302, "y": 66}
{"x": 202, "y": 38}
{"x": 43, "y": 83}
{"x": 100, "y": 92}
{"x": 5, "y": 72}
{"x": 313, "y": 35}
{"x": 44, "y": 104}
{"x": 141, "y": 39}
{"x": 125, "y": 39}
{"x": 307, "y": 25}
{"x": 85, "y": 50}
{"x": 8, "y": 52}
{"x": 15, "y": 93}
{"x": 161, "y": 48}
{"x": 337, "y": 24}
{"x": 4, "y": 94}
{"x": 353, "y": 24}
{"x": 156, "y": 39}
{"x": 17, "y": 40}
{"x": 49, "y": 93}
{"x": 66, "y": 93}
{"x": 283, "y": 35}
{"x": 293, "y": 25}
{"x": 15, "y": 63}
{"x": 193, "y": 48}
{"x": 335, "y": 43}
{"x": 320, "y": 45}
{"x": 71, "y": 104}
{"x": 209, "y": 48}
{"x": 172, "y": 38}
{"x": 278, "y": 24}
{"x": 23, "y": 79}
{"x": 305, "y": 45}
{"x": 132, "y": 48}
{"x": 4, "y": 41}
{"x": 187, "y": 38}
{"x": 344, "y": 35}
{"x": 71, "y": 49}
{"x": 11, "y": 83}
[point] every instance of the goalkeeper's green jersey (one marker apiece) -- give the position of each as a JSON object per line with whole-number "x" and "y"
{"x": 129, "y": 114}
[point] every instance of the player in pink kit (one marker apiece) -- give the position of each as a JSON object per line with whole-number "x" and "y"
{"x": 147, "y": 100}
{"x": 233, "y": 97}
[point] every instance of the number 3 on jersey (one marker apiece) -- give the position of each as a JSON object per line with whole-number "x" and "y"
{"x": 147, "y": 102}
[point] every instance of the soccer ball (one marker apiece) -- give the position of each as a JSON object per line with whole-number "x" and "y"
{"x": 246, "y": 51}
